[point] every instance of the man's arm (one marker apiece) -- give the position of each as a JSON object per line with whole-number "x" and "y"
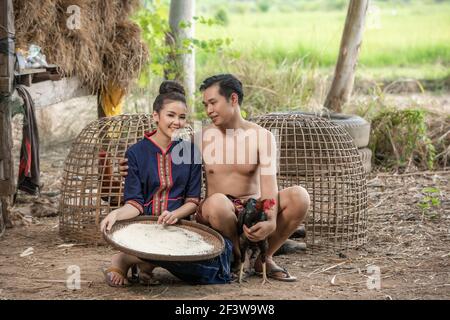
{"x": 267, "y": 157}
{"x": 267, "y": 154}
{"x": 123, "y": 167}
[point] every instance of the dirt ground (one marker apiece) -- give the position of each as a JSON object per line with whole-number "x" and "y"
{"x": 411, "y": 248}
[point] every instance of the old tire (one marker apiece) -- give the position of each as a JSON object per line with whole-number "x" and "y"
{"x": 357, "y": 127}
{"x": 366, "y": 158}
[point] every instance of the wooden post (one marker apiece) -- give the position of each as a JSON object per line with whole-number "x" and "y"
{"x": 100, "y": 112}
{"x": 7, "y": 56}
{"x": 5, "y": 207}
{"x": 344, "y": 75}
{"x": 2, "y": 221}
{"x": 183, "y": 11}
{"x": 7, "y": 33}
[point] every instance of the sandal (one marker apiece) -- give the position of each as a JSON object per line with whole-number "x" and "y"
{"x": 107, "y": 272}
{"x": 277, "y": 273}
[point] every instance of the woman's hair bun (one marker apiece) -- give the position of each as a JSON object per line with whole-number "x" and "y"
{"x": 170, "y": 86}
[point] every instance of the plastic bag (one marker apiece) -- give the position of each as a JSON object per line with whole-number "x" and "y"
{"x": 31, "y": 59}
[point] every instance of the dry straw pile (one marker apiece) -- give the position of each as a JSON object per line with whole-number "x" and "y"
{"x": 106, "y": 49}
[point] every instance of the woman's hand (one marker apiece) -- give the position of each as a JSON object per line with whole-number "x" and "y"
{"x": 167, "y": 217}
{"x": 109, "y": 221}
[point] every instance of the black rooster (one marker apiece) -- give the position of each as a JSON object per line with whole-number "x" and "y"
{"x": 252, "y": 213}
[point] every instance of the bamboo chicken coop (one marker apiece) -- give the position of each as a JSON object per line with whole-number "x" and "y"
{"x": 321, "y": 156}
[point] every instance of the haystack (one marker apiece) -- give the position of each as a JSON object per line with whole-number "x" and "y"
{"x": 106, "y": 49}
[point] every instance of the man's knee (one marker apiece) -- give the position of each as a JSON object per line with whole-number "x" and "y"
{"x": 217, "y": 207}
{"x": 298, "y": 197}
{"x": 215, "y": 202}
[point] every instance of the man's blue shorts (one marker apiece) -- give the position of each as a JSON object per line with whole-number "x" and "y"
{"x": 213, "y": 271}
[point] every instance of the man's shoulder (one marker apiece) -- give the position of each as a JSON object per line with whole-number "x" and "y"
{"x": 256, "y": 127}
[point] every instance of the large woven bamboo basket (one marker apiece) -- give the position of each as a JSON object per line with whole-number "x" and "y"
{"x": 321, "y": 157}
{"x": 92, "y": 185}
{"x": 209, "y": 235}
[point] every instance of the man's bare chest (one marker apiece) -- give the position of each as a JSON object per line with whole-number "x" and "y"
{"x": 226, "y": 170}
{"x": 226, "y": 151}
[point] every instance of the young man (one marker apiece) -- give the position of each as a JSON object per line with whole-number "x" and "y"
{"x": 239, "y": 160}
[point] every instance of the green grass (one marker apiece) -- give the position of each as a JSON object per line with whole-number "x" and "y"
{"x": 286, "y": 59}
{"x": 403, "y": 36}
{"x": 388, "y": 73}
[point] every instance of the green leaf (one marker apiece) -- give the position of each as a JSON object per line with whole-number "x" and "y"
{"x": 430, "y": 190}
{"x": 424, "y": 205}
{"x": 435, "y": 201}
{"x": 185, "y": 24}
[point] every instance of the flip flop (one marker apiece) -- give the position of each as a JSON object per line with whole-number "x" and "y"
{"x": 274, "y": 273}
{"x": 106, "y": 273}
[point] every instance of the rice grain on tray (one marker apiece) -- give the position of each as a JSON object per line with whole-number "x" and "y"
{"x": 159, "y": 239}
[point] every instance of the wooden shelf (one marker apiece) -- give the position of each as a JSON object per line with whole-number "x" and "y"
{"x": 29, "y": 76}
{"x": 24, "y": 72}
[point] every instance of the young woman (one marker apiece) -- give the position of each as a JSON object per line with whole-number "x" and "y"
{"x": 158, "y": 186}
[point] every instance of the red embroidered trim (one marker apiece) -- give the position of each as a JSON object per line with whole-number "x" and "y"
{"x": 168, "y": 163}
{"x": 156, "y": 196}
{"x": 148, "y": 136}
{"x": 170, "y": 199}
{"x": 163, "y": 193}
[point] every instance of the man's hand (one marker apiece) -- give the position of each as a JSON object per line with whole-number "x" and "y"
{"x": 167, "y": 217}
{"x": 123, "y": 167}
{"x": 109, "y": 221}
{"x": 259, "y": 231}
